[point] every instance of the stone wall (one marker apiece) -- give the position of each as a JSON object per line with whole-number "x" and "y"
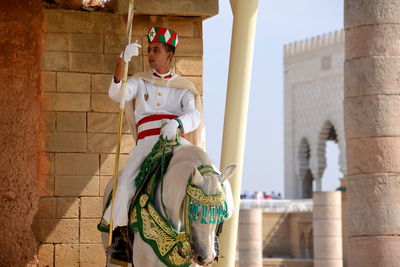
{"x": 283, "y": 234}
{"x": 313, "y": 105}
{"x": 80, "y": 52}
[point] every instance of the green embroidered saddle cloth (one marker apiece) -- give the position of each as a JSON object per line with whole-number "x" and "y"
{"x": 171, "y": 247}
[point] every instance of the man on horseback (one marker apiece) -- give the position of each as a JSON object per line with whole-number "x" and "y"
{"x": 156, "y": 98}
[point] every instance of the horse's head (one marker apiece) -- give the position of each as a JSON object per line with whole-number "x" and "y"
{"x": 207, "y": 209}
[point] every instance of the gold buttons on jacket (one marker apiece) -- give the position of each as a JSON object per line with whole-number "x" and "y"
{"x": 159, "y": 94}
{"x": 158, "y": 104}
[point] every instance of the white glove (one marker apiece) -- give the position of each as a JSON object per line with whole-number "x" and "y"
{"x": 169, "y": 130}
{"x": 131, "y": 50}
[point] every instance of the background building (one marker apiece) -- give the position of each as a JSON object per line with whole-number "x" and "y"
{"x": 313, "y": 111}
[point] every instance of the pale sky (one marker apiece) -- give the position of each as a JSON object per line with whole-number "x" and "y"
{"x": 279, "y": 22}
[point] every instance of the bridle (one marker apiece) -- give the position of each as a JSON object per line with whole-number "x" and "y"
{"x": 198, "y": 206}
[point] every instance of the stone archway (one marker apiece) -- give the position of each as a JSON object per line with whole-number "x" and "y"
{"x": 305, "y": 173}
{"x": 328, "y": 133}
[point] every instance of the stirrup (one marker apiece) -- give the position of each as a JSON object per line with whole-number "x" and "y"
{"x": 119, "y": 254}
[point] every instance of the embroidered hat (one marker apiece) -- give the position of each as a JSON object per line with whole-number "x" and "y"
{"x": 162, "y": 35}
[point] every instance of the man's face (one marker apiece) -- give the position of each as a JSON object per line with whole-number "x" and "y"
{"x": 157, "y": 55}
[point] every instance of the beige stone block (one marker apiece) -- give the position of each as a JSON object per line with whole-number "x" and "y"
{"x": 372, "y": 76}
{"x": 373, "y": 40}
{"x": 77, "y": 185}
{"x": 67, "y": 255}
{"x": 48, "y": 81}
{"x": 367, "y": 12}
{"x": 105, "y": 123}
{"x": 107, "y": 163}
{"x": 46, "y": 255}
{"x": 106, "y": 143}
{"x": 47, "y": 208}
{"x": 250, "y": 216}
{"x": 329, "y": 248}
{"x": 87, "y": 62}
{"x": 104, "y": 181}
{"x": 67, "y": 102}
{"x": 189, "y": 66}
{"x": 91, "y": 43}
{"x": 328, "y": 263}
{"x": 205, "y": 8}
{"x": 66, "y": 142}
{"x": 49, "y": 119}
{"x": 250, "y": 258}
{"x": 324, "y": 198}
{"x": 114, "y": 44}
{"x": 58, "y": 230}
{"x": 251, "y": 245}
{"x": 197, "y": 27}
{"x": 372, "y": 116}
{"x": 46, "y": 185}
{"x": 67, "y": 207}
{"x": 373, "y": 204}
{"x": 190, "y": 47}
{"x": 101, "y": 83}
{"x": 46, "y": 164}
{"x": 56, "y": 61}
{"x": 91, "y": 255}
{"x": 327, "y": 212}
{"x": 68, "y": 21}
{"x": 55, "y": 42}
{"x": 249, "y": 232}
{"x": 71, "y": 121}
{"x": 372, "y": 155}
{"x": 373, "y": 251}
{"x": 183, "y": 26}
{"x": 102, "y": 103}
{"x": 77, "y": 164}
{"x": 73, "y": 82}
{"x": 324, "y": 228}
{"x": 110, "y": 60}
{"x": 91, "y": 207}
{"x": 89, "y": 232}
{"x": 198, "y": 83}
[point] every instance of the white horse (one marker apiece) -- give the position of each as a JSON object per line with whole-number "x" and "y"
{"x": 182, "y": 166}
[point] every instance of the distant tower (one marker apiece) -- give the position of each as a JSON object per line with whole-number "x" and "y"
{"x": 313, "y": 110}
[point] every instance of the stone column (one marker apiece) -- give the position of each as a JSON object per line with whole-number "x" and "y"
{"x": 372, "y": 128}
{"x": 250, "y": 238}
{"x": 327, "y": 224}
{"x": 237, "y": 101}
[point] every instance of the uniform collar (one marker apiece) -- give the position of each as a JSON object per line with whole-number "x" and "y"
{"x": 166, "y": 75}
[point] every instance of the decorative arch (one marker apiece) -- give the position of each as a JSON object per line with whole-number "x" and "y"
{"x": 328, "y": 133}
{"x": 305, "y": 173}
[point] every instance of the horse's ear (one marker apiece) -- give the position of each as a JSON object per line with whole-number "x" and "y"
{"x": 227, "y": 173}
{"x": 196, "y": 177}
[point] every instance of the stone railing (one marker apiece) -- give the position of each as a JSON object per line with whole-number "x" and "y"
{"x": 278, "y": 205}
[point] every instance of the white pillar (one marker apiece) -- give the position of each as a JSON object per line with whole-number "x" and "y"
{"x": 250, "y": 238}
{"x": 327, "y": 224}
{"x": 237, "y": 99}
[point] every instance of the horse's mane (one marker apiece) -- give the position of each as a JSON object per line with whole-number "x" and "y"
{"x": 194, "y": 157}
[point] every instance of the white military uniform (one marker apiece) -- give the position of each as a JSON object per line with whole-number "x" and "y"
{"x": 150, "y": 100}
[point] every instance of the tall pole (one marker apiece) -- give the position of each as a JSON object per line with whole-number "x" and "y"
{"x": 128, "y": 35}
{"x": 372, "y": 128}
{"x": 237, "y": 99}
